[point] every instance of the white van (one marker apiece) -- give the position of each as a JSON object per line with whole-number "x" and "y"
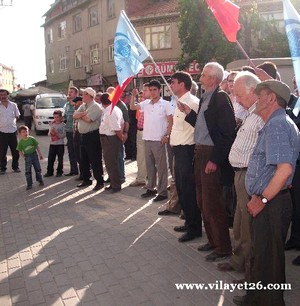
{"x": 44, "y": 106}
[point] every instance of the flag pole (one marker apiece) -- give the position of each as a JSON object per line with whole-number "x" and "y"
{"x": 157, "y": 68}
{"x": 138, "y": 36}
{"x": 245, "y": 53}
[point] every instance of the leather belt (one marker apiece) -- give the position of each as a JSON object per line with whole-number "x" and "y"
{"x": 240, "y": 169}
{"x": 140, "y": 129}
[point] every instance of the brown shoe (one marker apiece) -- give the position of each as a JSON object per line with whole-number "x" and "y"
{"x": 225, "y": 267}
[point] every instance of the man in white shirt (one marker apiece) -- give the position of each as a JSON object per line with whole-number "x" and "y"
{"x": 182, "y": 141}
{"x": 9, "y": 113}
{"x": 112, "y": 138}
{"x": 158, "y": 122}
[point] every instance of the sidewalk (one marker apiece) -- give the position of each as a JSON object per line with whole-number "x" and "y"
{"x": 61, "y": 245}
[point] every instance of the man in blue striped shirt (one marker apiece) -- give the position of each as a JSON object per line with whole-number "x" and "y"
{"x": 268, "y": 178}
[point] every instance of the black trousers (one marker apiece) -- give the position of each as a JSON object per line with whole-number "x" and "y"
{"x": 71, "y": 153}
{"x": 186, "y": 188}
{"x": 56, "y": 150}
{"x": 8, "y": 140}
{"x": 91, "y": 156}
{"x": 295, "y": 194}
{"x": 268, "y": 233}
{"x": 77, "y": 148}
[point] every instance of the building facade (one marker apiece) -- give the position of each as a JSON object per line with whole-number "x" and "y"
{"x": 7, "y": 78}
{"x": 79, "y": 39}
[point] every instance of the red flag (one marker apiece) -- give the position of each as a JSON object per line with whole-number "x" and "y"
{"x": 117, "y": 93}
{"x": 227, "y": 15}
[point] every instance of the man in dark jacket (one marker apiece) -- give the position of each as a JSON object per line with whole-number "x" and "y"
{"x": 214, "y": 134}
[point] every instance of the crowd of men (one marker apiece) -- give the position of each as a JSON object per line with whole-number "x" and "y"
{"x": 241, "y": 136}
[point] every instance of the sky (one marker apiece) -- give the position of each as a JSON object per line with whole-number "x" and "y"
{"x": 22, "y": 43}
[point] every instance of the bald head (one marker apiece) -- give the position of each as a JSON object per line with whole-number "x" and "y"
{"x": 110, "y": 89}
{"x": 244, "y": 86}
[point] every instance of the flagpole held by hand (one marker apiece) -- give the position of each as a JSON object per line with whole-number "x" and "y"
{"x": 157, "y": 68}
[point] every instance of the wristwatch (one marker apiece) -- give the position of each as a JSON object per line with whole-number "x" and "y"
{"x": 168, "y": 136}
{"x": 263, "y": 199}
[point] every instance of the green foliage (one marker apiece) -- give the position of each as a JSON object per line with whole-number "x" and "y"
{"x": 203, "y": 40}
{"x": 272, "y": 43}
{"x": 201, "y": 37}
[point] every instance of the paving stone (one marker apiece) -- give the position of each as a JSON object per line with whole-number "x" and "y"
{"x": 5, "y": 300}
{"x": 19, "y": 295}
{"x": 36, "y": 297}
{"x": 16, "y": 283}
{"x": 53, "y": 300}
{"x": 32, "y": 284}
{"x": 67, "y": 292}
{"x": 50, "y": 288}
{"x": 63, "y": 246}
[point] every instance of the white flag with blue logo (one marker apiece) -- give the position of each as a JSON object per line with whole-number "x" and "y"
{"x": 129, "y": 50}
{"x": 292, "y": 27}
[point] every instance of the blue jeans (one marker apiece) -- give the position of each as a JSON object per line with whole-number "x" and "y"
{"x": 32, "y": 160}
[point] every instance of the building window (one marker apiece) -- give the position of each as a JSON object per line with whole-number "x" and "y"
{"x": 63, "y": 62}
{"x": 51, "y": 65}
{"x": 78, "y": 58}
{"x": 62, "y": 29}
{"x": 158, "y": 37}
{"x": 77, "y": 25}
{"x": 111, "y": 9}
{"x": 94, "y": 54}
{"x": 93, "y": 16}
{"x": 50, "y": 36}
{"x": 111, "y": 52}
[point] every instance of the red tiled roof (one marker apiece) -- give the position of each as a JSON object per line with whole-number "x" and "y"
{"x": 142, "y": 8}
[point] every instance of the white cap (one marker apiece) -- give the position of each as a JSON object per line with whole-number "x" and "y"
{"x": 90, "y": 91}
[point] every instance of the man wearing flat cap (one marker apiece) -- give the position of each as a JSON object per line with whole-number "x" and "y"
{"x": 268, "y": 178}
{"x": 89, "y": 117}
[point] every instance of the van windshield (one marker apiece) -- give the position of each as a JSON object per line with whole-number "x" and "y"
{"x": 50, "y": 102}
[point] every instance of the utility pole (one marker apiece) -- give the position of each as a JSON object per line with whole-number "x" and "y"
{"x": 6, "y": 2}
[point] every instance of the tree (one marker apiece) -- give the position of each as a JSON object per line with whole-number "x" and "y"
{"x": 272, "y": 42}
{"x": 203, "y": 40}
{"x": 261, "y": 37}
{"x": 201, "y": 37}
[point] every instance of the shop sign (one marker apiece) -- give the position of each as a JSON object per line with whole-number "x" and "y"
{"x": 166, "y": 68}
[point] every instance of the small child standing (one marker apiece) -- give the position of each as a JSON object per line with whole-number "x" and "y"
{"x": 57, "y": 147}
{"x": 28, "y": 148}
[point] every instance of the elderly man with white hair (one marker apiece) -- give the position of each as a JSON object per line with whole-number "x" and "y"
{"x": 214, "y": 134}
{"x": 244, "y": 89}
